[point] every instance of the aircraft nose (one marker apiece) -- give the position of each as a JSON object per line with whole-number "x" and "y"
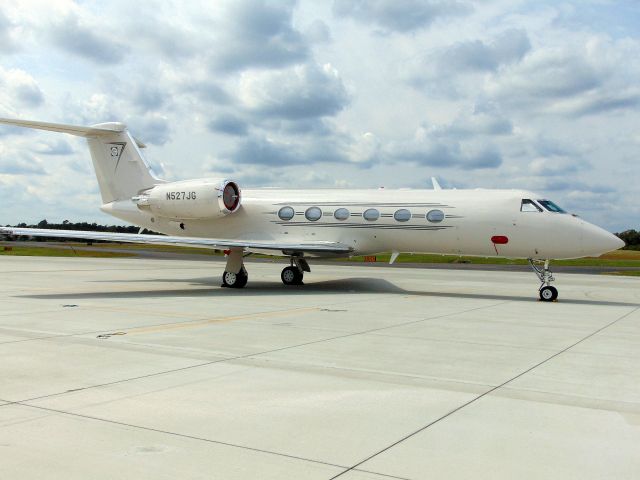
{"x": 596, "y": 241}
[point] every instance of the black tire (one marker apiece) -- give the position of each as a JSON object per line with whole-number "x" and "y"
{"x": 291, "y": 276}
{"x": 548, "y": 294}
{"x": 235, "y": 280}
{"x": 244, "y": 277}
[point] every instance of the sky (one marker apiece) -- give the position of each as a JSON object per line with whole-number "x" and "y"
{"x": 535, "y": 95}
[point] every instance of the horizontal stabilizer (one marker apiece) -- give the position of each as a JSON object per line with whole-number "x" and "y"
{"x": 315, "y": 247}
{"x": 92, "y": 131}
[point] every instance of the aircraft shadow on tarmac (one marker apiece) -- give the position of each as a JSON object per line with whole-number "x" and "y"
{"x": 352, "y": 286}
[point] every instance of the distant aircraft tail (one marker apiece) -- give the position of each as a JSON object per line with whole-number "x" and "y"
{"x": 120, "y": 167}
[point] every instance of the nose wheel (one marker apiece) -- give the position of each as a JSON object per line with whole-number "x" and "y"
{"x": 543, "y": 272}
{"x": 548, "y": 293}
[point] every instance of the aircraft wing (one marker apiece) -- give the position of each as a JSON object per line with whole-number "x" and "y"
{"x": 302, "y": 247}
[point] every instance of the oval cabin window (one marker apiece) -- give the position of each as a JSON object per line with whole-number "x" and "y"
{"x": 313, "y": 213}
{"x": 286, "y": 213}
{"x": 371, "y": 214}
{"x": 435, "y": 216}
{"x": 402, "y": 215}
{"x": 341, "y": 214}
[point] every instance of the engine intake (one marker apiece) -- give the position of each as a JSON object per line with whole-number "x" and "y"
{"x": 191, "y": 199}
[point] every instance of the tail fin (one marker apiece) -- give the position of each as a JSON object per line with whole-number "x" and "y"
{"x": 120, "y": 167}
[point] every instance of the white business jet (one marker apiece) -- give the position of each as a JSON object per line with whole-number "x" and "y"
{"x": 300, "y": 224}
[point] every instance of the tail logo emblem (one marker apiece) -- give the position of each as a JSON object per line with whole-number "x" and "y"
{"x": 116, "y": 150}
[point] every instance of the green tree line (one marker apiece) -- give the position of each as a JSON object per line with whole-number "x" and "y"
{"x": 84, "y": 226}
{"x": 631, "y": 238}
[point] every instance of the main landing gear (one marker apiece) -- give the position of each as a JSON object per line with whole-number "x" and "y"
{"x": 293, "y": 274}
{"x": 547, "y": 292}
{"x": 236, "y": 276}
{"x": 235, "y": 280}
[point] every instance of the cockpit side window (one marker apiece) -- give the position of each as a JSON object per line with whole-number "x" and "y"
{"x": 552, "y": 207}
{"x": 529, "y": 206}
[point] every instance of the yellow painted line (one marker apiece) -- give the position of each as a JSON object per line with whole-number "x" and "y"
{"x": 136, "y": 311}
{"x": 201, "y": 323}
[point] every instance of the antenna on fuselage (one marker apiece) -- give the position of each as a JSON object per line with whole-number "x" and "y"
{"x": 436, "y": 185}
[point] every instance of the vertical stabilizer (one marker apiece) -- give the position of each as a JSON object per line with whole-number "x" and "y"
{"x": 120, "y": 167}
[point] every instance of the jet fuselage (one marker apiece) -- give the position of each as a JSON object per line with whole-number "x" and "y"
{"x": 461, "y": 222}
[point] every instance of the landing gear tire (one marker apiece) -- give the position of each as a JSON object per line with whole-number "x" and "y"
{"x": 543, "y": 272}
{"x": 235, "y": 280}
{"x": 291, "y": 276}
{"x": 548, "y": 293}
{"x": 243, "y": 279}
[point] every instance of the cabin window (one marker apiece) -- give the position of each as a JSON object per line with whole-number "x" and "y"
{"x": 402, "y": 215}
{"x": 529, "y": 206}
{"x": 552, "y": 207}
{"x": 435, "y": 216}
{"x": 341, "y": 214}
{"x": 313, "y": 213}
{"x": 371, "y": 214}
{"x": 286, "y": 213}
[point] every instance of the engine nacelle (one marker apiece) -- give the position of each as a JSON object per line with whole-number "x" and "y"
{"x": 191, "y": 199}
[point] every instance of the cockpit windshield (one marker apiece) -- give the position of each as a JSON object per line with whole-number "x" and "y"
{"x": 552, "y": 207}
{"x": 529, "y": 206}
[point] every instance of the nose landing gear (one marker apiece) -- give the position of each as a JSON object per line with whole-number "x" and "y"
{"x": 547, "y": 292}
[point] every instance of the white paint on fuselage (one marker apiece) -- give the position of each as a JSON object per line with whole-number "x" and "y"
{"x": 473, "y": 217}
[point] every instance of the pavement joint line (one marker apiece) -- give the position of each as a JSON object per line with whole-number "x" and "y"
{"x": 464, "y": 342}
{"x": 392, "y": 374}
{"x": 601, "y": 354}
{"x": 488, "y": 392}
{"x": 167, "y": 432}
{"x": 547, "y": 393}
{"x": 190, "y": 437}
{"x": 248, "y": 355}
{"x": 196, "y": 438}
{"x": 387, "y": 475}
